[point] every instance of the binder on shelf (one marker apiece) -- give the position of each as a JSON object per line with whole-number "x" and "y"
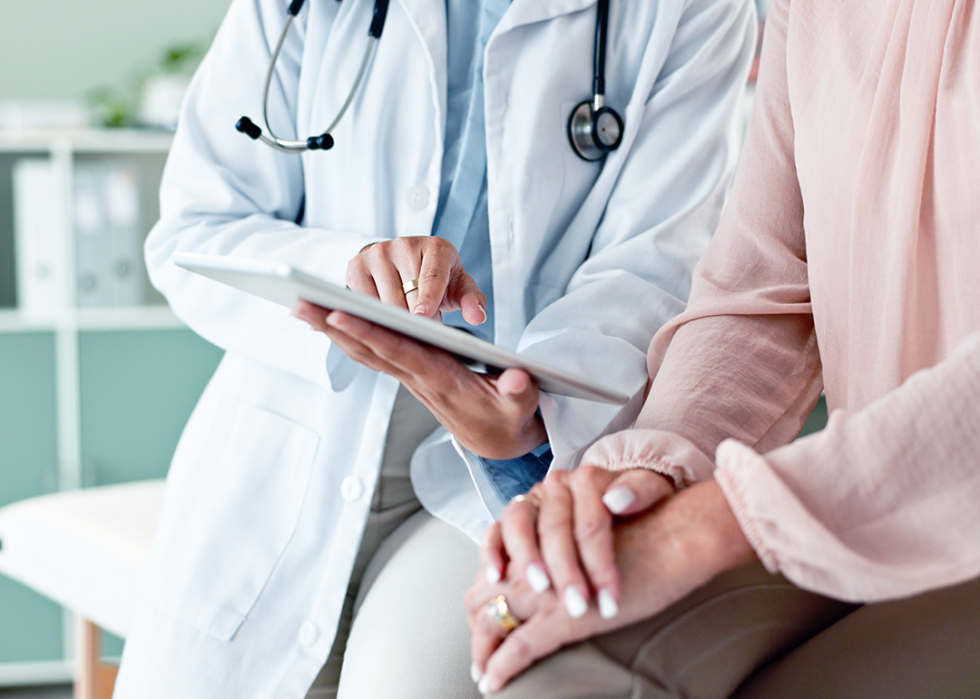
{"x": 39, "y": 220}
{"x": 126, "y": 223}
{"x": 108, "y": 230}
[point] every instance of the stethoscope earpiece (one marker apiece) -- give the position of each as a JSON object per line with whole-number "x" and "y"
{"x": 245, "y": 126}
{"x": 324, "y": 141}
{"x": 594, "y": 132}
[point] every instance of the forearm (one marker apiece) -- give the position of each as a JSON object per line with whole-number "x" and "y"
{"x": 676, "y": 548}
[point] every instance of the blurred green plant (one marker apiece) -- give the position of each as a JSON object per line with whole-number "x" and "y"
{"x": 181, "y": 58}
{"x": 118, "y": 107}
{"x": 112, "y": 107}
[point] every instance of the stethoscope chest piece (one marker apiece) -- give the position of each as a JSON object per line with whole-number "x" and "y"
{"x": 594, "y": 132}
{"x": 593, "y": 128}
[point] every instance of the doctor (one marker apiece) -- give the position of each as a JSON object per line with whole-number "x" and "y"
{"x": 294, "y": 499}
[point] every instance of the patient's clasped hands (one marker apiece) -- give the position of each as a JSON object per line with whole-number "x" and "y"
{"x": 589, "y": 551}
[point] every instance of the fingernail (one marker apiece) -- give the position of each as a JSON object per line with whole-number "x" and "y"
{"x": 475, "y": 673}
{"x": 618, "y": 499}
{"x": 419, "y": 310}
{"x": 484, "y": 312}
{"x": 493, "y": 575}
{"x": 575, "y": 603}
{"x": 607, "y": 604}
{"x": 484, "y": 685}
{"x": 537, "y": 578}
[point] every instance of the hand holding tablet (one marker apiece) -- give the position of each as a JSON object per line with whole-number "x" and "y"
{"x": 283, "y": 284}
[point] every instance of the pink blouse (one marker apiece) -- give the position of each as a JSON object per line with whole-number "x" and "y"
{"x": 848, "y": 260}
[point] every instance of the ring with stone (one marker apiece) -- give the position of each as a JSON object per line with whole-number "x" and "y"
{"x": 499, "y": 611}
{"x": 410, "y": 286}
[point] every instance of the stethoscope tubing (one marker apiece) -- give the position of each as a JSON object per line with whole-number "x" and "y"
{"x": 599, "y": 54}
{"x": 325, "y": 140}
{"x": 587, "y": 137}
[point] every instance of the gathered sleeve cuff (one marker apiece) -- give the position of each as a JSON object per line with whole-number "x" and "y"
{"x": 656, "y": 450}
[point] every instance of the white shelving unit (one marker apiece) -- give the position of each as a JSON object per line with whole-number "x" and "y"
{"x": 65, "y": 150}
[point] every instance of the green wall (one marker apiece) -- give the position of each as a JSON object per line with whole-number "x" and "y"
{"x": 59, "y": 49}
{"x": 137, "y": 390}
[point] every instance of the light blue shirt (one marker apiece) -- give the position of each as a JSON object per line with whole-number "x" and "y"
{"x": 461, "y": 215}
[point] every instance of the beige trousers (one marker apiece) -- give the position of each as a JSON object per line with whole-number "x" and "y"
{"x": 403, "y": 632}
{"x": 752, "y": 635}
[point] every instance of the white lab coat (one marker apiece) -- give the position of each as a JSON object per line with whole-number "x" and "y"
{"x": 271, "y": 483}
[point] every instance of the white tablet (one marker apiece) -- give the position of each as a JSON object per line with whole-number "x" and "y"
{"x": 283, "y": 284}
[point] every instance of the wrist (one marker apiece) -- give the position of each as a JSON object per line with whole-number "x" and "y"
{"x": 725, "y": 543}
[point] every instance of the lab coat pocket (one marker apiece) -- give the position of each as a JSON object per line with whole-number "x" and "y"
{"x": 240, "y": 476}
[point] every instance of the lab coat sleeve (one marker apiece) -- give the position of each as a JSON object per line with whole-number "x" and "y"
{"x": 664, "y": 192}
{"x": 225, "y": 194}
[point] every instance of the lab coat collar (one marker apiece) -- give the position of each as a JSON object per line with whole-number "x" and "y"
{"x": 429, "y": 19}
{"x": 523, "y": 12}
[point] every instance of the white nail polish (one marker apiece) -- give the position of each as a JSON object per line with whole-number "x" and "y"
{"x": 607, "y": 604}
{"x": 484, "y": 686}
{"x": 537, "y": 578}
{"x": 493, "y": 575}
{"x": 618, "y": 499}
{"x": 475, "y": 673}
{"x": 575, "y": 603}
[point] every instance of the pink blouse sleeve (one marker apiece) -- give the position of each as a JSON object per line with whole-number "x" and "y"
{"x": 880, "y": 504}
{"x": 742, "y": 361}
{"x": 883, "y": 502}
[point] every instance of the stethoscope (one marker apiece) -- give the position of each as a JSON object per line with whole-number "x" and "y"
{"x": 593, "y": 129}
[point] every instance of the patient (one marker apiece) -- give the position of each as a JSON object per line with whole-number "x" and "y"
{"x": 742, "y": 563}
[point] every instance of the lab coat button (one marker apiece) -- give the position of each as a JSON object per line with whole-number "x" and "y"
{"x": 418, "y": 197}
{"x": 351, "y": 489}
{"x": 308, "y": 634}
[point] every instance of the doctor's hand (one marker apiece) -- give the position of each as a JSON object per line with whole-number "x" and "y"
{"x": 662, "y": 555}
{"x": 492, "y": 416}
{"x": 388, "y": 271}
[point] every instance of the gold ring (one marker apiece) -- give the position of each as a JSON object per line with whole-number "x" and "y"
{"x": 409, "y": 287}
{"x": 530, "y": 499}
{"x": 499, "y": 611}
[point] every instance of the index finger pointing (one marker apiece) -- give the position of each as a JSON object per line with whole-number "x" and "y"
{"x": 438, "y": 261}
